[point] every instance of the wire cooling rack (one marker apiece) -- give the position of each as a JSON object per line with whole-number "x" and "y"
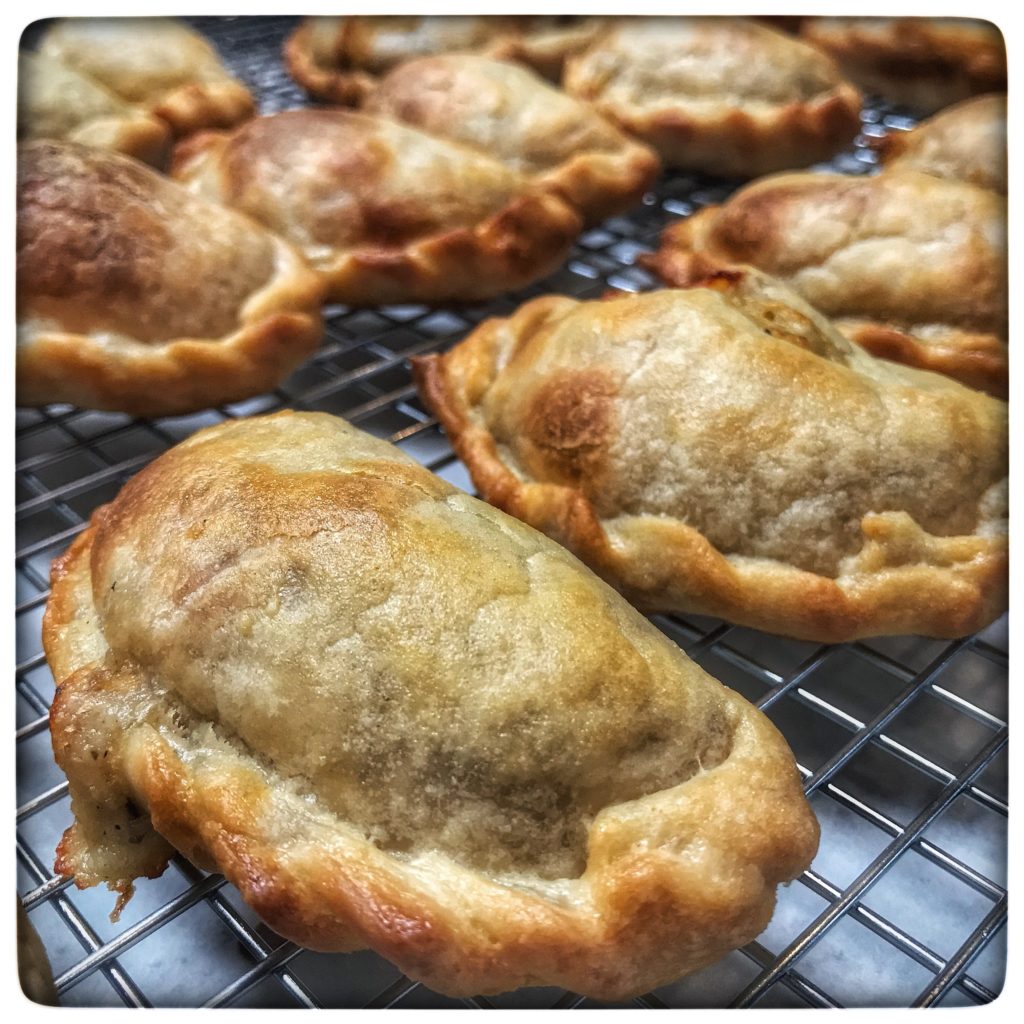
{"x": 901, "y": 741}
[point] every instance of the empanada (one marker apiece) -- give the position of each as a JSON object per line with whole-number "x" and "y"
{"x": 910, "y": 266}
{"x": 923, "y": 63}
{"x": 386, "y": 213}
{"x": 56, "y": 102}
{"x": 337, "y": 58}
{"x": 967, "y": 142}
{"x": 158, "y": 64}
{"x": 507, "y": 111}
{"x": 396, "y": 718}
{"x": 723, "y": 450}
{"x": 135, "y": 296}
{"x": 722, "y": 96}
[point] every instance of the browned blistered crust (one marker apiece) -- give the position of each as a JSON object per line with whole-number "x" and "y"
{"x": 929, "y": 288}
{"x": 670, "y": 877}
{"x": 554, "y": 471}
{"x": 924, "y": 63}
{"x": 116, "y": 307}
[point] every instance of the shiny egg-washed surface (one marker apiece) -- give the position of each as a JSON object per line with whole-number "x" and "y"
{"x": 902, "y": 741}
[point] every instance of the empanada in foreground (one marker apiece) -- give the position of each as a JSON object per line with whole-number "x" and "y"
{"x": 386, "y": 213}
{"x": 134, "y": 296}
{"x": 396, "y": 718}
{"x": 507, "y": 111}
{"x": 723, "y": 96}
{"x": 723, "y": 450}
{"x": 910, "y": 266}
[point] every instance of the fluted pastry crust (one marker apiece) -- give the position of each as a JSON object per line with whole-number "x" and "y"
{"x": 723, "y": 96}
{"x": 384, "y": 212}
{"x": 396, "y": 718}
{"x": 923, "y": 63}
{"x": 338, "y": 58}
{"x": 158, "y": 64}
{"x": 723, "y": 450}
{"x": 508, "y": 112}
{"x": 967, "y": 142}
{"x": 909, "y": 266}
{"x": 134, "y": 296}
{"x": 56, "y": 102}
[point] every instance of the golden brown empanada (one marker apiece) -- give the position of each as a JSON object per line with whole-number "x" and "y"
{"x": 56, "y": 102}
{"x": 967, "y": 142}
{"x": 723, "y": 96}
{"x": 158, "y": 64}
{"x": 337, "y": 58}
{"x": 723, "y": 450}
{"x": 909, "y": 266}
{"x": 396, "y": 718}
{"x": 923, "y": 63}
{"x": 135, "y": 296}
{"x": 386, "y": 213}
{"x": 507, "y": 111}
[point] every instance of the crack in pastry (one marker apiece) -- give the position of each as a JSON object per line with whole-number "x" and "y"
{"x": 157, "y": 64}
{"x": 56, "y": 102}
{"x": 922, "y": 63}
{"x": 386, "y": 213}
{"x": 396, "y": 718}
{"x": 336, "y": 59}
{"x": 725, "y": 451}
{"x": 966, "y": 143}
{"x": 722, "y": 96}
{"x": 909, "y": 266}
{"x": 135, "y": 296}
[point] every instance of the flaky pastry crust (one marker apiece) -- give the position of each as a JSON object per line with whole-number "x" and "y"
{"x": 505, "y": 110}
{"x": 723, "y": 96}
{"x": 723, "y": 450}
{"x": 967, "y": 142}
{"x": 56, "y": 102}
{"x": 922, "y": 63}
{"x": 385, "y": 213}
{"x": 911, "y": 267}
{"x": 396, "y": 718}
{"x": 158, "y": 64}
{"x": 134, "y": 296}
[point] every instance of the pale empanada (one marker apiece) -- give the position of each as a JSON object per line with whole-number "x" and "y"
{"x": 337, "y": 58}
{"x": 135, "y": 296}
{"x": 385, "y": 212}
{"x": 56, "y": 102}
{"x": 923, "y": 63}
{"x": 967, "y": 142}
{"x": 507, "y": 111}
{"x": 723, "y": 450}
{"x": 910, "y": 266}
{"x": 157, "y": 64}
{"x": 723, "y": 96}
{"x": 396, "y": 718}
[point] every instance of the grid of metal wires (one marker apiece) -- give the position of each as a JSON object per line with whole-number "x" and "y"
{"x": 901, "y": 741}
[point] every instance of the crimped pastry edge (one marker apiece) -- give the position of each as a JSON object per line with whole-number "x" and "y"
{"x": 904, "y": 580}
{"x": 200, "y": 105}
{"x": 641, "y": 915}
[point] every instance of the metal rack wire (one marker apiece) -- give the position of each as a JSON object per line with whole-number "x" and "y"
{"x": 901, "y": 741}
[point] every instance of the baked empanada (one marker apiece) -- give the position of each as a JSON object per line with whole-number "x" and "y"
{"x": 34, "y": 972}
{"x": 385, "y": 212}
{"x": 910, "y": 266}
{"x": 56, "y": 102}
{"x": 967, "y": 142}
{"x": 507, "y": 111}
{"x": 923, "y": 63}
{"x": 723, "y": 96}
{"x": 723, "y": 450}
{"x": 158, "y": 64}
{"x": 396, "y": 718}
{"x": 337, "y": 58}
{"x": 135, "y": 296}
